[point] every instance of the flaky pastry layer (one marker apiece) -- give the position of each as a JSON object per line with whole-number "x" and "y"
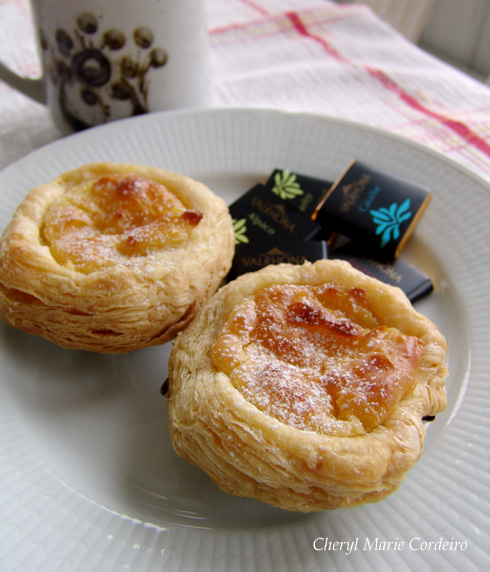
{"x": 113, "y": 284}
{"x": 249, "y": 450}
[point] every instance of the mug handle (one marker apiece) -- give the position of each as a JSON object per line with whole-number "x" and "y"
{"x": 32, "y": 87}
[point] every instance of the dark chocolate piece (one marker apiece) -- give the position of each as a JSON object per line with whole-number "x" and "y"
{"x": 164, "y": 388}
{"x": 258, "y": 215}
{"x": 254, "y": 256}
{"x": 399, "y": 273}
{"x": 301, "y": 191}
{"x": 375, "y": 208}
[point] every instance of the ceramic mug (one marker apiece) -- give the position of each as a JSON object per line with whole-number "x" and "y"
{"x": 107, "y": 59}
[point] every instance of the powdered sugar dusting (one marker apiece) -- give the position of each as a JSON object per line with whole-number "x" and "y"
{"x": 114, "y": 220}
{"x": 312, "y": 367}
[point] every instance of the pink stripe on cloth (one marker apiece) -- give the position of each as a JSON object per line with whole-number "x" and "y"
{"x": 255, "y": 6}
{"x": 300, "y": 27}
{"x": 458, "y": 127}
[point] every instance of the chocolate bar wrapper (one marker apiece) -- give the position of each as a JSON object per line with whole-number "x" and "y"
{"x": 256, "y": 255}
{"x": 399, "y": 273}
{"x": 302, "y": 192}
{"x": 374, "y": 208}
{"x": 260, "y": 216}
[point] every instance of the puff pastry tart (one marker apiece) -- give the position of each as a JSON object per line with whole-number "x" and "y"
{"x": 112, "y": 257}
{"x": 305, "y": 386}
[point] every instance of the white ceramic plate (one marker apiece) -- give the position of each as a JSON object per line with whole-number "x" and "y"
{"x": 89, "y": 480}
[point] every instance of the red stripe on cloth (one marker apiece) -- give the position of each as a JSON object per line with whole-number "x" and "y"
{"x": 457, "y": 126}
{"x": 303, "y": 30}
{"x": 255, "y": 6}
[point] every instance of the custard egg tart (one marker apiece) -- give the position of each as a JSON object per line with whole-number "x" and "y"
{"x": 113, "y": 257}
{"x": 305, "y": 386}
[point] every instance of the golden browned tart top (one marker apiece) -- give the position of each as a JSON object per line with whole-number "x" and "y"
{"x": 99, "y": 222}
{"x": 315, "y": 357}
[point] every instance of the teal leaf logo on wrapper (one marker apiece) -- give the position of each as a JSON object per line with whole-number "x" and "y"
{"x": 286, "y": 185}
{"x": 240, "y": 228}
{"x": 388, "y": 220}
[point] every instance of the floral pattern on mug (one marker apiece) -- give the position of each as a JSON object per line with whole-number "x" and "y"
{"x": 85, "y": 59}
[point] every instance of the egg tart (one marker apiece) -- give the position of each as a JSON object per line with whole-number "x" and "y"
{"x": 305, "y": 386}
{"x": 113, "y": 257}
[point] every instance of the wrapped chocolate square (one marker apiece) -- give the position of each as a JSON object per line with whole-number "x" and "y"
{"x": 376, "y": 209}
{"x": 259, "y": 215}
{"x": 256, "y": 255}
{"x": 300, "y": 191}
{"x": 398, "y": 272}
